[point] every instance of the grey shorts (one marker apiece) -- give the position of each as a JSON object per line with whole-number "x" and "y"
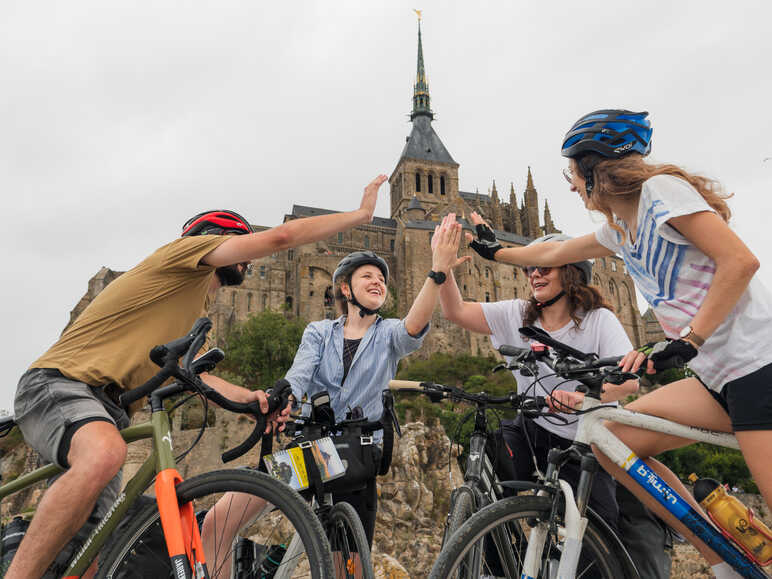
{"x": 48, "y": 406}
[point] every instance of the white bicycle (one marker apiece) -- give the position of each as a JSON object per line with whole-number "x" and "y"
{"x": 552, "y": 534}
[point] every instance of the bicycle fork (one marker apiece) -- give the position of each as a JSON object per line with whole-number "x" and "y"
{"x": 570, "y": 534}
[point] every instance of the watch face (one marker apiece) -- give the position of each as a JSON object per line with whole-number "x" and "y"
{"x": 685, "y": 332}
{"x": 437, "y": 276}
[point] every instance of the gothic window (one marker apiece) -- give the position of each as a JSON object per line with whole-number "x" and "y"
{"x": 262, "y": 272}
{"x": 367, "y": 241}
{"x": 487, "y": 273}
{"x": 514, "y": 272}
{"x": 391, "y": 245}
{"x": 265, "y": 300}
{"x": 249, "y": 302}
{"x": 340, "y": 237}
{"x": 596, "y": 280}
{"x": 311, "y": 294}
{"x": 464, "y": 288}
{"x": 233, "y": 298}
{"x": 603, "y": 263}
{"x": 487, "y": 296}
{"x": 611, "y": 288}
{"x": 310, "y": 273}
{"x": 442, "y": 184}
{"x": 430, "y": 183}
{"x": 290, "y": 254}
{"x": 515, "y": 296}
{"x": 417, "y": 182}
{"x": 288, "y": 302}
{"x": 328, "y": 297}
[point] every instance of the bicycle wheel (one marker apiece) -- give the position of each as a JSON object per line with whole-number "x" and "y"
{"x": 348, "y": 543}
{"x": 279, "y": 514}
{"x": 500, "y": 533}
{"x": 461, "y": 509}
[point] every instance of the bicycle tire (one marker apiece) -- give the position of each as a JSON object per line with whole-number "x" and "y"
{"x": 461, "y": 509}
{"x": 135, "y": 555}
{"x": 344, "y": 530}
{"x": 512, "y": 520}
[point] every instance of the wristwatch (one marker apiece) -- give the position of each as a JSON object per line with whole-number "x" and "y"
{"x": 437, "y": 276}
{"x": 688, "y": 334}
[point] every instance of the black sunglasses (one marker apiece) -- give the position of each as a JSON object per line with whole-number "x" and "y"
{"x": 532, "y": 268}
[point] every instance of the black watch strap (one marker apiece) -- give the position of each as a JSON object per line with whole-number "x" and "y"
{"x": 437, "y": 276}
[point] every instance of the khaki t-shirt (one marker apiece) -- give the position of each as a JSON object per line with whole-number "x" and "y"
{"x": 153, "y": 303}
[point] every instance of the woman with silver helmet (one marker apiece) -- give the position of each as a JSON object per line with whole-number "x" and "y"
{"x": 563, "y": 304}
{"x": 671, "y": 228}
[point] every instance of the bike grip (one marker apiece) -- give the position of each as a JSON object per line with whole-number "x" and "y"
{"x": 131, "y": 396}
{"x": 247, "y": 445}
{"x": 404, "y": 385}
{"x": 667, "y": 363}
{"x": 157, "y": 355}
{"x": 512, "y": 351}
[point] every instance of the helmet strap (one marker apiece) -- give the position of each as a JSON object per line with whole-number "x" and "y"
{"x": 548, "y": 303}
{"x": 363, "y": 311}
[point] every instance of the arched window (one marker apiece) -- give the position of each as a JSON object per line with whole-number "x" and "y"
{"x": 367, "y": 241}
{"x": 515, "y": 295}
{"x": 487, "y": 296}
{"x": 613, "y": 265}
{"x": 249, "y": 302}
{"x": 288, "y": 302}
{"x": 328, "y": 297}
{"x": 262, "y": 272}
{"x": 442, "y": 184}
{"x": 611, "y": 288}
{"x": 391, "y": 245}
{"x": 265, "y": 300}
{"x": 514, "y": 272}
{"x": 487, "y": 273}
{"x": 310, "y": 273}
{"x": 596, "y": 280}
{"x": 233, "y": 298}
{"x": 430, "y": 183}
{"x": 417, "y": 182}
{"x": 290, "y": 254}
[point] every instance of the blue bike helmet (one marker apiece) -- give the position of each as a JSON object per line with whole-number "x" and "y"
{"x": 610, "y": 133}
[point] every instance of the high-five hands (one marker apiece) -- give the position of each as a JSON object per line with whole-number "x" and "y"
{"x": 370, "y": 196}
{"x": 486, "y": 244}
{"x": 445, "y": 242}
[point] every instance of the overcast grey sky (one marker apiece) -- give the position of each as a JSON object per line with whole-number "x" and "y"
{"x": 120, "y": 120}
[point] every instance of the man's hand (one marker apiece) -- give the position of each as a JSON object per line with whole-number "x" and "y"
{"x": 275, "y": 421}
{"x": 370, "y": 197}
{"x": 445, "y": 241}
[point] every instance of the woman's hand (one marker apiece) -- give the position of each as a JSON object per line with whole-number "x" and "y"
{"x": 276, "y": 420}
{"x": 445, "y": 242}
{"x": 564, "y": 401}
{"x": 634, "y": 360}
{"x": 370, "y": 197}
{"x": 486, "y": 244}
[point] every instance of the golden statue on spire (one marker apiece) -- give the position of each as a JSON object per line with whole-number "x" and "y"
{"x": 418, "y": 12}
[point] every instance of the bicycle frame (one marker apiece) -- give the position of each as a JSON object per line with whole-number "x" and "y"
{"x": 592, "y": 431}
{"x": 161, "y": 462}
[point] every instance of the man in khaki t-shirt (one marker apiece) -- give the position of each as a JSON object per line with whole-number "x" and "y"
{"x": 66, "y": 403}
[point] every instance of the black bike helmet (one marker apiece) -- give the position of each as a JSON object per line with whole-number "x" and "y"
{"x": 352, "y": 261}
{"x": 216, "y": 222}
{"x": 610, "y": 133}
{"x": 348, "y": 265}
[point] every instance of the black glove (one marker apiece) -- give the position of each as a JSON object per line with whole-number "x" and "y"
{"x": 671, "y": 354}
{"x": 486, "y": 244}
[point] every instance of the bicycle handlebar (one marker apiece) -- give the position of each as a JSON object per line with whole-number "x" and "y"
{"x": 168, "y": 356}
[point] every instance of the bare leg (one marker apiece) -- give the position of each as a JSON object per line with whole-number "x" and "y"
{"x": 221, "y": 525}
{"x": 687, "y": 402}
{"x": 97, "y": 452}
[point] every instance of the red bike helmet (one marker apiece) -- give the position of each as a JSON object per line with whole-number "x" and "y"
{"x": 216, "y": 222}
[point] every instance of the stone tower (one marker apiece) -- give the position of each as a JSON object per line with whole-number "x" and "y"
{"x": 425, "y": 169}
{"x": 529, "y": 212}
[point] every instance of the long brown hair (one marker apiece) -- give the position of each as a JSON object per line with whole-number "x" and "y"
{"x": 623, "y": 179}
{"x": 581, "y": 297}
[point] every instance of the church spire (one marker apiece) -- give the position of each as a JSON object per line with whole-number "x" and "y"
{"x": 421, "y": 87}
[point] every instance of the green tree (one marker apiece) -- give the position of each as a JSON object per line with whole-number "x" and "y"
{"x": 261, "y": 349}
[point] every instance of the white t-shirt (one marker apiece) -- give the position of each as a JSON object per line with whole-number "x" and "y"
{"x": 674, "y": 277}
{"x": 599, "y": 332}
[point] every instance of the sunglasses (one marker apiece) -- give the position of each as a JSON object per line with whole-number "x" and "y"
{"x": 531, "y": 269}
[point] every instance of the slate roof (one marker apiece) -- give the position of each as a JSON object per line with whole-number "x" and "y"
{"x": 424, "y": 144}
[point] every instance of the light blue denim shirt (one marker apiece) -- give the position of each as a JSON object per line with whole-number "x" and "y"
{"x": 318, "y": 364}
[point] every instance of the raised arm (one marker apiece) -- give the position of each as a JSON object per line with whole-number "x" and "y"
{"x": 468, "y": 315}
{"x": 241, "y": 248}
{"x": 552, "y": 254}
{"x": 444, "y": 258}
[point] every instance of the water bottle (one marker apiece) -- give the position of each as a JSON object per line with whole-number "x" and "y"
{"x": 734, "y": 519}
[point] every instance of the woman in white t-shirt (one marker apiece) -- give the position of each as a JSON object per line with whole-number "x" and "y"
{"x": 563, "y": 304}
{"x": 670, "y": 227}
